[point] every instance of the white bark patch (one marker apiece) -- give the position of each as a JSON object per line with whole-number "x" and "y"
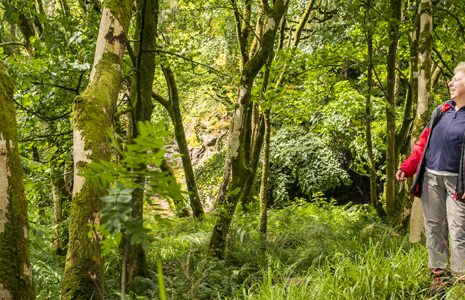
{"x": 79, "y": 155}
{"x": 234, "y": 141}
{"x": 270, "y": 24}
{"x": 242, "y": 92}
{"x": 27, "y": 271}
{"x": 4, "y": 293}
{"x": 108, "y": 24}
{"x": 25, "y": 232}
{"x": 4, "y": 174}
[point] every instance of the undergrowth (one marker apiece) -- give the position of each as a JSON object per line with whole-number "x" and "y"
{"x": 314, "y": 251}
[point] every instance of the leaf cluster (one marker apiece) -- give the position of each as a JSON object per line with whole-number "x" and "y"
{"x": 140, "y": 159}
{"x": 301, "y": 165}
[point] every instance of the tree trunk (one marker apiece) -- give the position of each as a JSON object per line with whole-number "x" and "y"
{"x": 15, "y": 270}
{"x": 369, "y": 143}
{"x": 181, "y": 207}
{"x": 60, "y": 197}
{"x": 392, "y": 205}
{"x": 146, "y": 26}
{"x": 27, "y": 30}
{"x": 194, "y": 197}
{"x": 239, "y": 136}
{"x": 83, "y": 275}
{"x": 264, "y": 179}
{"x": 303, "y": 20}
{"x": 424, "y": 98}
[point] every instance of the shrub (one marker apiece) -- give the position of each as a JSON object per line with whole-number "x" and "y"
{"x": 301, "y": 165}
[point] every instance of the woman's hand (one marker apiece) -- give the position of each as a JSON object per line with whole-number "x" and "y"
{"x": 400, "y": 176}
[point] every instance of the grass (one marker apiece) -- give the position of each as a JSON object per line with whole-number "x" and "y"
{"x": 314, "y": 251}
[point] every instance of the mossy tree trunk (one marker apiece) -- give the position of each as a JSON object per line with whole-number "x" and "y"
{"x": 240, "y": 136}
{"x": 295, "y": 40}
{"x": 94, "y": 108}
{"x": 180, "y": 135}
{"x": 15, "y": 271}
{"x": 392, "y": 205}
{"x": 424, "y": 99}
{"x": 142, "y": 108}
{"x": 61, "y": 198}
{"x": 172, "y": 106}
{"x": 368, "y": 114}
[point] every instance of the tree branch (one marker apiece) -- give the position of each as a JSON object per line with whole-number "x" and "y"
{"x": 13, "y": 44}
{"x": 57, "y": 86}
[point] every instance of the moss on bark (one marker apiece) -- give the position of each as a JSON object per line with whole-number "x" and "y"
{"x": 92, "y": 122}
{"x": 15, "y": 273}
{"x": 239, "y": 143}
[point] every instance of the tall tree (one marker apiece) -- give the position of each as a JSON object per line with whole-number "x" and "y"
{"x": 424, "y": 99}
{"x": 15, "y": 270}
{"x": 263, "y": 195}
{"x": 391, "y": 160}
{"x": 142, "y": 108}
{"x": 368, "y": 114}
{"x": 240, "y": 136}
{"x": 174, "y": 110}
{"x": 61, "y": 197}
{"x": 94, "y": 108}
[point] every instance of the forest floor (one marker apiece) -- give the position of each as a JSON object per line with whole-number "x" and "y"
{"x": 313, "y": 251}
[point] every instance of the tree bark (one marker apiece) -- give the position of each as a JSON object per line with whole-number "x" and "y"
{"x": 392, "y": 205}
{"x": 194, "y": 197}
{"x": 239, "y": 136}
{"x": 83, "y": 275}
{"x": 369, "y": 143}
{"x": 264, "y": 179}
{"x": 424, "y": 98}
{"x": 303, "y": 21}
{"x": 146, "y": 25}
{"x": 60, "y": 197}
{"x": 15, "y": 271}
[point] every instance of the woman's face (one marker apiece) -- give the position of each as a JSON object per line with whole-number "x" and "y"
{"x": 457, "y": 86}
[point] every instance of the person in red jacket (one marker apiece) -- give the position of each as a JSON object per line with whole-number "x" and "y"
{"x": 437, "y": 161}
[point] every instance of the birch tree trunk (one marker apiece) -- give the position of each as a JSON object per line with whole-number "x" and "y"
{"x": 424, "y": 98}
{"x": 15, "y": 271}
{"x": 83, "y": 276}
{"x": 239, "y": 139}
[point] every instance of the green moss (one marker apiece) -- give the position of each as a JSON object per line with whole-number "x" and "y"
{"x": 121, "y": 10}
{"x": 93, "y": 117}
{"x": 83, "y": 278}
{"x": 15, "y": 274}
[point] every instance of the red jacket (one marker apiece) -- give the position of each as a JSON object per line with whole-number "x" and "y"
{"x": 415, "y": 163}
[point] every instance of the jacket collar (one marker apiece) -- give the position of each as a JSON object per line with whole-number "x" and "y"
{"x": 447, "y": 105}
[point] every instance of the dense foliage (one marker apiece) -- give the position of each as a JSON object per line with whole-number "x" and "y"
{"x": 301, "y": 166}
{"x": 319, "y": 100}
{"x": 315, "y": 250}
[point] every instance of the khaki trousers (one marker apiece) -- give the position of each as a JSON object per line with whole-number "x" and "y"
{"x": 443, "y": 217}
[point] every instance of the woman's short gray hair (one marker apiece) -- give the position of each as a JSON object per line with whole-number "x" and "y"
{"x": 460, "y": 67}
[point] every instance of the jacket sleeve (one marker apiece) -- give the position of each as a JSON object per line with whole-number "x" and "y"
{"x": 410, "y": 165}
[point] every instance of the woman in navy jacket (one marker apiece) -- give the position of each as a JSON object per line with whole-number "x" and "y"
{"x": 437, "y": 161}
